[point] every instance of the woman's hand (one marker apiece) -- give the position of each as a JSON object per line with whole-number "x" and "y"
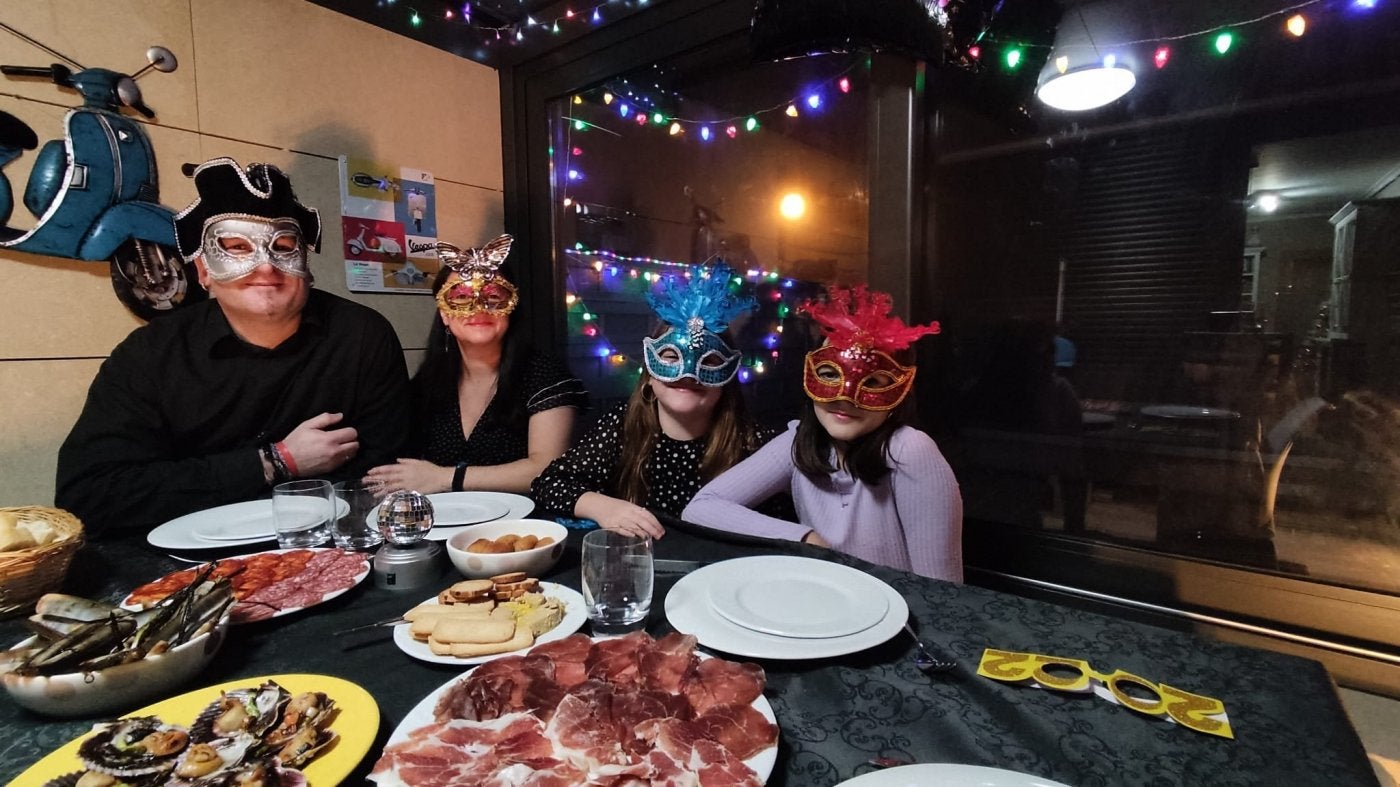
{"x": 619, "y": 515}
{"x": 415, "y": 474}
{"x": 814, "y": 538}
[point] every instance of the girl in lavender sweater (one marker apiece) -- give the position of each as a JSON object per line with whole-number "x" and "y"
{"x": 863, "y": 481}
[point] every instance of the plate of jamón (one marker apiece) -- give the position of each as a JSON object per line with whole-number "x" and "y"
{"x": 645, "y": 710}
{"x": 477, "y": 620}
{"x": 269, "y": 584}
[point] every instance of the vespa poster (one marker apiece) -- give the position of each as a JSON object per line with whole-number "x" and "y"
{"x": 388, "y": 220}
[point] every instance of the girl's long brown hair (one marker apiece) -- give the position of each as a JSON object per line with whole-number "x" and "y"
{"x": 730, "y": 438}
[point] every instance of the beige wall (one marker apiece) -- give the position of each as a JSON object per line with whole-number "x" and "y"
{"x": 281, "y": 81}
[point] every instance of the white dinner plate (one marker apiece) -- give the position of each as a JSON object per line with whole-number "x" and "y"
{"x": 235, "y": 524}
{"x": 944, "y": 774}
{"x": 1188, "y": 412}
{"x": 689, "y": 611}
{"x": 795, "y": 596}
{"x": 455, "y": 509}
{"x": 574, "y": 617}
{"x": 422, "y": 715}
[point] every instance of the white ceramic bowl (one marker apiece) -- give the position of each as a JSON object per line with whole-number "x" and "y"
{"x": 118, "y": 689}
{"x": 534, "y": 562}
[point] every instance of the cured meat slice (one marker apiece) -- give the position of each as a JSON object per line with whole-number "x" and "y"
{"x": 618, "y": 660}
{"x": 460, "y": 752}
{"x": 570, "y": 657}
{"x": 718, "y": 767}
{"x": 739, "y": 728}
{"x": 584, "y": 730}
{"x": 717, "y": 682}
{"x": 666, "y": 664}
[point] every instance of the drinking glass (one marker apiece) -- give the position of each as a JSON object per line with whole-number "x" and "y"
{"x": 617, "y": 579}
{"x": 353, "y": 529}
{"x": 302, "y": 512}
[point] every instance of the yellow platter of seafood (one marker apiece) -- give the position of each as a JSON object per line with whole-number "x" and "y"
{"x": 340, "y": 741}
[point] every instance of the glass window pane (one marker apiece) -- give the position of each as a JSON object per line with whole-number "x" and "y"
{"x": 704, "y": 158}
{"x": 1119, "y": 374}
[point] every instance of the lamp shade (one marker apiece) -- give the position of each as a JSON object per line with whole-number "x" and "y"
{"x": 1089, "y": 66}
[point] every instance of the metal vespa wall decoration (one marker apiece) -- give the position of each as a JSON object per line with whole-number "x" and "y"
{"x": 94, "y": 192}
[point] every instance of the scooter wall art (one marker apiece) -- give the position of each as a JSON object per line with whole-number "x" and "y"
{"x": 94, "y": 193}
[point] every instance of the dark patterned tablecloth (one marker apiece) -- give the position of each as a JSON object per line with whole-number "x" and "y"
{"x": 835, "y": 714}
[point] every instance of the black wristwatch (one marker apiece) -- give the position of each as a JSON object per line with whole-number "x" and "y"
{"x": 458, "y": 476}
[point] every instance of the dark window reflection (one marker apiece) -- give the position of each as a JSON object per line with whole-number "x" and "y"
{"x": 1174, "y": 322}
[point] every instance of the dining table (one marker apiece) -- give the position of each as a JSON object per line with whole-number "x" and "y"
{"x": 837, "y": 714}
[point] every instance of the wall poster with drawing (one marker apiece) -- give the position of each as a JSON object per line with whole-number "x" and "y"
{"x": 389, "y": 218}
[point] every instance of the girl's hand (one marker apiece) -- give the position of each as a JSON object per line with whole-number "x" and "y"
{"x": 623, "y": 517}
{"x": 415, "y": 474}
{"x": 814, "y": 538}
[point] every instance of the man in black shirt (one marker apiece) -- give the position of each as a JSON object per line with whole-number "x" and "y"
{"x": 267, "y": 381}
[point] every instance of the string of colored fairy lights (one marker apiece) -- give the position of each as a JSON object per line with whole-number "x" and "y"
{"x": 635, "y": 275}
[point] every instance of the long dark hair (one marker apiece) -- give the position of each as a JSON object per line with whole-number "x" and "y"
{"x": 867, "y": 456}
{"x": 435, "y": 382}
{"x": 730, "y": 438}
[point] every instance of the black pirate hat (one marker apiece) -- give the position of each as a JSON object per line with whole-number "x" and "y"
{"x": 226, "y": 190}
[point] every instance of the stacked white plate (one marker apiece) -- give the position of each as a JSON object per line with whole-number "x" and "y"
{"x": 782, "y": 607}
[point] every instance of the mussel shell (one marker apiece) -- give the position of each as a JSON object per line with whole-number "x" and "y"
{"x": 263, "y": 706}
{"x": 101, "y": 752}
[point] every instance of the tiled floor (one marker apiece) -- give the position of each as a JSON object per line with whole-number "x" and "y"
{"x": 1377, "y": 719}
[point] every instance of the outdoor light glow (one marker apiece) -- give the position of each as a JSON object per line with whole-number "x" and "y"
{"x": 974, "y": 52}
{"x": 705, "y": 133}
{"x": 1365, "y": 4}
{"x": 1223, "y": 42}
{"x": 791, "y": 111}
{"x": 1109, "y": 61}
{"x": 658, "y": 118}
{"x": 1268, "y": 202}
{"x": 578, "y": 99}
{"x": 844, "y": 84}
{"x": 641, "y": 119}
{"x": 731, "y": 131}
{"x": 675, "y": 128}
{"x": 1161, "y": 56}
{"x": 814, "y": 101}
{"x": 1086, "y": 88}
{"x": 574, "y": 174}
{"x": 624, "y": 110}
{"x": 577, "y": 151}
{"x": 579, "y": 125}
{"x": 1297, "y": 25}
{"x": 607, "y": 98}
{"x": 751, "y": 124}
{"x": 1013, "y": 57}
{"x": 792, "y": 206}
{"x": 1062, "y": 64}
{"x": 597, "y": 17}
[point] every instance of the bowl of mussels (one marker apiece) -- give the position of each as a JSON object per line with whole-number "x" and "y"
{"x": 89, "y": 658}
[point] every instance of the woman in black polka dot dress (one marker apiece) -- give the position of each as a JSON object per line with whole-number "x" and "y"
{"x": 683, "y": 424}
{"x": 489, "y": 411}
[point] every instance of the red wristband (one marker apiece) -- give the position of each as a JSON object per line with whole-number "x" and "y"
{"x": 287, "y": 460}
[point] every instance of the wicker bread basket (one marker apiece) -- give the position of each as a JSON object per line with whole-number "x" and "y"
{"x": 27, "y": 574}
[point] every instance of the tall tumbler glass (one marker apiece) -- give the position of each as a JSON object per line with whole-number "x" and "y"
{"x": 302, "y": 512}
{"x": 617, "y": 579}
{"x": 354, "y": 530}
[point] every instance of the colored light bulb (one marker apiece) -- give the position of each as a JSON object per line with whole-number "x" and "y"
{"x": 1224, "y": 41}
{"x": 844, "y": 85}
{"x": 1297, "y": 25}
{"x": 1161, "y": 56}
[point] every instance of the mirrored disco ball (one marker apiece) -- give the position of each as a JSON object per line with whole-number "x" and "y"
{"x": 405, "y": 517}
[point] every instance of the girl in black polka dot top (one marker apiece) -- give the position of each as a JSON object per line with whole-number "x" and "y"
{"x": 683, "y": 424}
{"x": 489, "y": 412}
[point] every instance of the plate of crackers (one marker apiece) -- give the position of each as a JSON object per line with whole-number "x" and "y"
{"x": 477, "y": 620}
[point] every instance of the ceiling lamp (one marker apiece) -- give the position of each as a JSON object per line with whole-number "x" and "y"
{"x": 1080, "y": 74}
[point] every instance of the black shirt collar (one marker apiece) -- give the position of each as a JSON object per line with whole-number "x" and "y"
{"x": 222, "y": 341}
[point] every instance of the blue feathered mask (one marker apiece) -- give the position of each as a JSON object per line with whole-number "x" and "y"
{"x": 698, "y": 310}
